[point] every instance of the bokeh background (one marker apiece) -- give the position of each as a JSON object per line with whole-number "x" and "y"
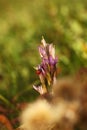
{"x": 22, "y": 25}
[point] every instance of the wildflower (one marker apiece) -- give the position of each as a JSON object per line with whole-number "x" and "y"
{"x": 47, "y": 69}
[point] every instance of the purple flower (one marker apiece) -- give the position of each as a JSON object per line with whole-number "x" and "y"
{"x": 47, "y": 69}
{"x": 42, "y": 51}
{"x": 52, "y": 61}
{"x": 47, "y": 52}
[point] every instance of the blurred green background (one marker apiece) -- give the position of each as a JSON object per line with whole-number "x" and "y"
{"x": 22, "y": 25}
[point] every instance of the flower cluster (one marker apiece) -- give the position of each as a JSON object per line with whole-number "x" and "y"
{"x": 47, "y": 69}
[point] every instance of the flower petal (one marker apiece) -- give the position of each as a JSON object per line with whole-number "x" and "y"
{"x": 42, "y": 51}
{"x": 38, "y": 89}
{"x": 52, "y": 50}
{"x": 43, "y": 42}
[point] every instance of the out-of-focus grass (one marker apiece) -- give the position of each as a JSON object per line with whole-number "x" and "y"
{"x": 22, "y": 24}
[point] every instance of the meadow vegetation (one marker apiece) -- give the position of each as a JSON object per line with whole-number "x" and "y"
{"x": 22, "y": 25}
